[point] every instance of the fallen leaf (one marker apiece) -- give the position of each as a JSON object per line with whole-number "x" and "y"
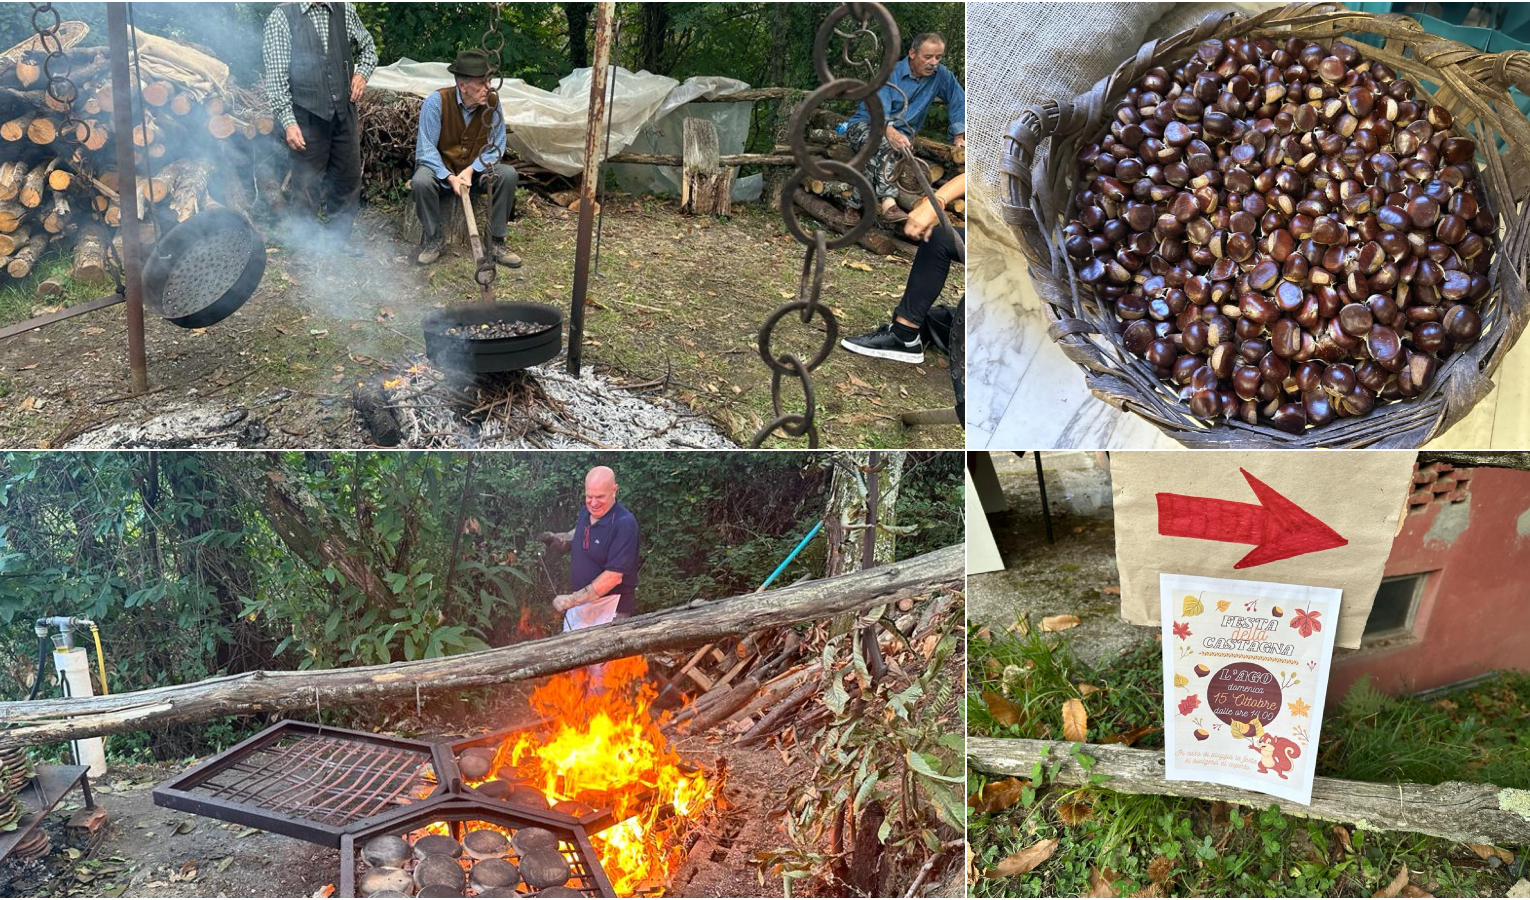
{"x": 1002, "y": 709}
{"x": 1414, "y": 891}
{"x": 1341, "y": 834}
{"x": 1025, "y": 860}
{"x": 858, "y": 266}
{"x": 1113, "y": 590}
{"x": 1075, "y": 811}
{"x": 993, "y": 668}
{"x": 1130, "y": 737}
{"x": 224, "y": 863}
{"x": 1444, "y": 704}
{"x": 1488, "y": 851}
{"x": 1221, "y": 813}
{"x": 998, "y": 795}
{"x": 1102, "y": 882}
{"x": 1075, "y": 721}
{"x": 1021, "y": 627}
{"x": 1060, "y": 623}
{"x": 1085, "y": 690}
{"x": 972, "y": 872}
{"x": 1395, "y": 888}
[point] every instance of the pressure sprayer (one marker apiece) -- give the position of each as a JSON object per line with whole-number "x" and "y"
{"x": 73, "y": 667}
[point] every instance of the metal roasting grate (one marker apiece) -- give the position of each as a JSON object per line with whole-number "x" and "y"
{"x": 307, "y": 781}
{"x": 334, "y": 780}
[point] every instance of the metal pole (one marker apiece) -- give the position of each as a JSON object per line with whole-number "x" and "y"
{"x": 598, "y": 73}
{"x": 127, "y": 188}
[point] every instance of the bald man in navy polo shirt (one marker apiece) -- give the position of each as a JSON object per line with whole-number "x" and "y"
{"x": 603, "y": 557}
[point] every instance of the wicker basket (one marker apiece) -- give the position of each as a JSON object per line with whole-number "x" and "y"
{"x": 1040, "y": 177}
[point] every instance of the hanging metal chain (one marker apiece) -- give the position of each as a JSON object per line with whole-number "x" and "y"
{"x": 876, "y": 61}
{"x": 56, "y": 67}
{"x": 492, "y": 43}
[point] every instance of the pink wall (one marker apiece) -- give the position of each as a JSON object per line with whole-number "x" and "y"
{"x": 1474, "y": 614}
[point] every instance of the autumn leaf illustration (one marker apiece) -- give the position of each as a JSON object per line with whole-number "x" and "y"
{"x": 1222, "y": 605}
{"x": 1299, "y": 707}
{"x": 1239, "y": 729}
{"x": 1180, "y": 680}
{"x": 1193, "y": 606}
{"x": 1182, "y": 630}
{"x": 1306, "y": 622}
{"x": 1188, "y": 705}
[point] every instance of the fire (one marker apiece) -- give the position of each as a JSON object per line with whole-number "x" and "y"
{"x": 601, "y": 746}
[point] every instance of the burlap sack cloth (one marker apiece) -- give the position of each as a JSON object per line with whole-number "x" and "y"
{"x": 1019, "y": 54}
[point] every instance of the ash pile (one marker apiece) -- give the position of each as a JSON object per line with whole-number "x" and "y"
{"x": 193, "y": 426}
{"x": 541, "y": 407}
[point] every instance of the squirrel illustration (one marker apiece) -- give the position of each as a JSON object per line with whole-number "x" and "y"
{"x": 1275, "y": 754}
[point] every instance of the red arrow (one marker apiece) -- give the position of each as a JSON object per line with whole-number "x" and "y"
{"x": 1278, "y": 528}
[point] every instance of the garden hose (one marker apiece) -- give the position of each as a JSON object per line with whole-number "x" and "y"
{"x": 95, "y": 632}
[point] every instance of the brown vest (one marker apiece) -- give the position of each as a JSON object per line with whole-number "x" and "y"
{"x": 461, "y": 142}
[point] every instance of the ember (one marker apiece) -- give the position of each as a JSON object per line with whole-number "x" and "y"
{"x": 498, "y": 329}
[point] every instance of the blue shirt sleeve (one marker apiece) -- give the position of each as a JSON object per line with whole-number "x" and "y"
{"x": 425, "y": 152}
{"x": 623, "y": 555}
{"x": 956, "y": 103}
{"x": 496, "y": 145}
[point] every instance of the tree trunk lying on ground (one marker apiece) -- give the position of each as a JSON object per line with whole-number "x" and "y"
{"x": 1457, "y": 811}
{"x": 45, "y": 721}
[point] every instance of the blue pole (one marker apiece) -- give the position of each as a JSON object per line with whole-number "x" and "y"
{"x": 790, "y": 556}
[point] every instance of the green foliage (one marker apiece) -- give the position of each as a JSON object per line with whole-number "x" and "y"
{"x": 890, "y": 745}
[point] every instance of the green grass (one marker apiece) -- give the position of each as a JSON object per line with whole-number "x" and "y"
{"x": 1478, "y": 734}
{"x": 19, "y": 298}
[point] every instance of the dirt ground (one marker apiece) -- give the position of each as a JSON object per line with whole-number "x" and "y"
{"x": 678, "y": 302}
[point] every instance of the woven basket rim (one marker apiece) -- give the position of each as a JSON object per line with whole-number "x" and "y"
{"x": 1030, "y": 179}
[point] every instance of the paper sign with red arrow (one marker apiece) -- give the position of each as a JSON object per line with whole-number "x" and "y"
{"x": 1278, "y": 528}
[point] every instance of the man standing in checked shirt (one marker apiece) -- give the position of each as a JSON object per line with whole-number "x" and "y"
{"x": 916, "y": 81}
{"x": 318, "y": 57}
{"x": 458, "y": 148}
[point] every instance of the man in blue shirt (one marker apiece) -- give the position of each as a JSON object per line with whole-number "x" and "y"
{"x": 458, "y": 148}
{"x": 603, "y": 560}
{"x": 914, "y": 84}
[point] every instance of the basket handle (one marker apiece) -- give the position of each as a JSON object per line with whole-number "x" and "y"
{"x": 1019, "y": 199}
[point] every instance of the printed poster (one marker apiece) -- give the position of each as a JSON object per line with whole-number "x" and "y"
{"x": 1245, "y": 672}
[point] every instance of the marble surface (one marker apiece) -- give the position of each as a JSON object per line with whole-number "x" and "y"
{"x": 1023, "y": 393}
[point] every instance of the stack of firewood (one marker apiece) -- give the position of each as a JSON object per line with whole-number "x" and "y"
{"x": 766, "y": 685}
{"x": 58, "y": 181}
{"x": 828, "y": 201}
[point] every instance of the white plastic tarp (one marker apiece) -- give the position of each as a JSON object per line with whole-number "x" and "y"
{"x": 666, "y": 136}
{"x": 548, "y": 127}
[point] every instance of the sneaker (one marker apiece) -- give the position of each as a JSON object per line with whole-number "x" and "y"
{"x": 430, "y": 252}
{"x": 504, "y": 257}
{"x": 883, "y": 344}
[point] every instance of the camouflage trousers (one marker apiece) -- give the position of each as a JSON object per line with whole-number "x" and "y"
{"x": 881, "y": 169}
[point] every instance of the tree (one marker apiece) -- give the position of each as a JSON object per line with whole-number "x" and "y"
{"x": 578, "y": 15}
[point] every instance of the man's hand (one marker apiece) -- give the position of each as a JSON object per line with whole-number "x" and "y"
{"x": 564, "y": 602}
{"x": 462, "y": 181}
{"x": 358, "y": 84}
{"x": 294, "y": 138}
{"x": 921, "y": 221}
{"x": 897, "y": 139}
{"x": 960, "y": 140}
{"x": 553, "y": 542}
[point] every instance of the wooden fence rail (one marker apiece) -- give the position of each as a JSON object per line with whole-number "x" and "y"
{"x": 1456, "y": 810}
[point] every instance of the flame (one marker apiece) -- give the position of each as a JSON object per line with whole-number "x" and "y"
{"x": 601, "y": 746}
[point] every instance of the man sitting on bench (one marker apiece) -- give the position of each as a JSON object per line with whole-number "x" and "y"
{"x": 462, "y": 135}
